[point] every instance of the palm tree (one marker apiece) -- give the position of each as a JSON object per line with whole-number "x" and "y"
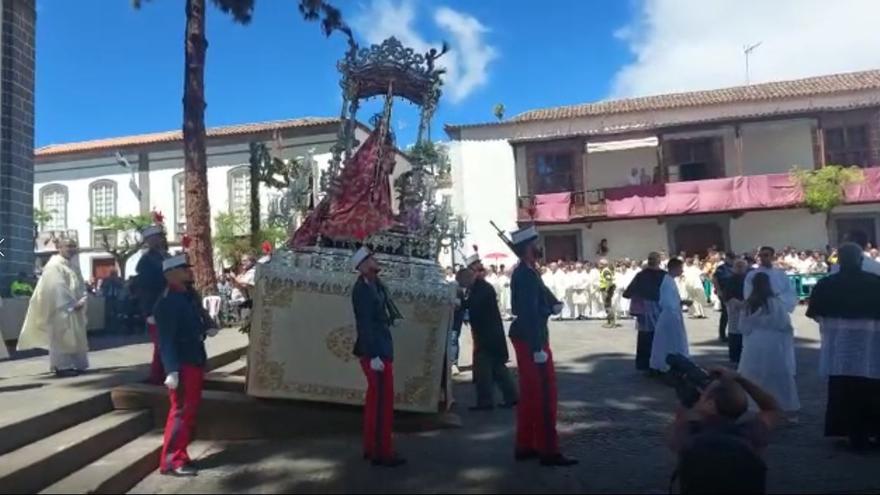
{"x": 198, "y": 216}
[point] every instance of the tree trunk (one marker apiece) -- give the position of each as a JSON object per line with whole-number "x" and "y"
{"x": 198, "y": 210}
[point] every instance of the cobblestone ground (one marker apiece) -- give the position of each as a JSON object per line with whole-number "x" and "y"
{"x": 611, "y": 418}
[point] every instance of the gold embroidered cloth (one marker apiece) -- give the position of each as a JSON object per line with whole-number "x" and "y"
{"x": 302, "y": 330}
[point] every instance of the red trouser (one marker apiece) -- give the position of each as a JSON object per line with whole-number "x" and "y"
{"x": 157, "y": 371}
{"x": 536, "y": 411}
{"x": 182, "y": 417}
{"x": 378, "y": 411}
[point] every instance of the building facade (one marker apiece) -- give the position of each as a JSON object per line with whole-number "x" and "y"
{"x": 76, "y": 182}
{"x": 680, "y": 172}
{"x": 17, "y": 21}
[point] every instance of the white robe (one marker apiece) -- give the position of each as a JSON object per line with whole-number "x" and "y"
{"x": 779, "y": 282}
{"x": 580, "y": 294}
{"x": 670, "y": 336}
{"x": 4, "y": 352}
{"x": 52, "y": 323}
{"x": 597, "y": 304}
{"x": 768, "y": 352}
{"x": 503, "y": 291}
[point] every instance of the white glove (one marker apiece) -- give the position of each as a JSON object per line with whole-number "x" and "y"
{"x": 557, "y": 309}
{"x": 172, "y": 380}
{"x": 212, "y": 332}
{"x": 540, "y": 357}
{"x": 376, "y": 364}
{"x": 151, "y": 320}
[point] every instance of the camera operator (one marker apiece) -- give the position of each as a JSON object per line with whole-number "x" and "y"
{"x": 720, "y": 447}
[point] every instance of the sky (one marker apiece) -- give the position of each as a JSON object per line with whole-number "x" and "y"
{"x": 105, "y": 69}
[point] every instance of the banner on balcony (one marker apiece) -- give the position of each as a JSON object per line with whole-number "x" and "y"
{"x": 728, "y": 194}
{"x": 555, "y": 207}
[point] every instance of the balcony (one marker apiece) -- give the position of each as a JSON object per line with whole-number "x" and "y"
{"x": 741, "y": 193}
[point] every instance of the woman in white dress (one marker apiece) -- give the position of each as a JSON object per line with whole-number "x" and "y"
{"x": 768, "y": 345}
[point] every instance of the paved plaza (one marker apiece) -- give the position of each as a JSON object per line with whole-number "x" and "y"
{"x": 611, "y": 418}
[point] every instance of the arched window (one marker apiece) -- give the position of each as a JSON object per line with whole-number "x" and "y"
{"x": 179, "y": 205}
{"x": 53, "y": 200}
{"x": 239, "y": 190}
{"x": 102, "y": 197}
{"x": 102, "y": 194}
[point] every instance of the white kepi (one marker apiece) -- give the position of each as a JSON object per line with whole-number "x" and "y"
{"x": 177, "y": 261}
{"x": 471, "y": 260}
{"x": 523, "y": 235}
{"x": 359, "y": 257}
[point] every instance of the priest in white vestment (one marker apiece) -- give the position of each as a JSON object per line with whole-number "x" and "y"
{"x": 847, "y": 307}
{"x": 580, "y": 298}
{"x": 56, "y": 316}
{"x": 779, "y": 281}
{"x": 670, "y": 336}
{"x": 503, "y": 291}
{"x": 693, "y": 284}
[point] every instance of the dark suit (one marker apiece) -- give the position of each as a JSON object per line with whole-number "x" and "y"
{"x": 532, "y": 303}
{"x": 150, "y": 285}
{"x": 370, "y": 302}
{"x": 490, "y": 346}
{"x": 374, "y": 313}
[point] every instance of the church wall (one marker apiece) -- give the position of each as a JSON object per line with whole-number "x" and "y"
{"x": 778, "y": 228}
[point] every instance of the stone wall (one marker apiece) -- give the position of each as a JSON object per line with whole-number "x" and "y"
{"x": 16, "y": 138}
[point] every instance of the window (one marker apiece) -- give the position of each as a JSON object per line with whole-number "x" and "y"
{"x": 847, "y": 146}
{"x": 103, "y": 194}
{"x": 696, "y": 159}
{"x": 553, "y": 172}
{"x": 239, "y": 190}
{"x": 179, "y": 205}
{"x": 53, "y": 200}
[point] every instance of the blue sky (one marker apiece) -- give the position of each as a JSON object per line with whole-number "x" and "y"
{"x": 104, "y": 69}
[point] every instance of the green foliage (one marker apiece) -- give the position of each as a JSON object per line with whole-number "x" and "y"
{"x": 241, "y": 10}
{"x": 231, "y": 240}
{"x": 498, "y": 111}
{"x": 42, "y": 217}
{"x": 127, "y": 242}
{"x": 824, "y": 188}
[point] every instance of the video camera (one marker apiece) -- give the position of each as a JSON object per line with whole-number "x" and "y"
{"x": 689, "y": 379}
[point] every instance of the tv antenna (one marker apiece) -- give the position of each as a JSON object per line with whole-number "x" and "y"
{"x": 747, "y": 51}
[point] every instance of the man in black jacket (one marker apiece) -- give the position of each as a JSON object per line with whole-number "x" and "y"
{"x": 374, "y": 314}
{"x": 490, "y": 344}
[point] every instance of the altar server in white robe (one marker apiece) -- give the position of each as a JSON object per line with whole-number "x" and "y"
{"x": 503, "y": 291}
{"x": 554, "y": 279}
{"x": 693, "y": 283}
{"x": 580, "y": 299}
{"x": 779, "y": 281}
{"x": 56, "y": 316}
{"x": 767, "y": 345}
{"x": 670, "y": 336}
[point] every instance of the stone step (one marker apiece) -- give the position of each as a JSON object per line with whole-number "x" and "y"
{"x": 235, "y": 368}
{"x": 226, "y": 415}
{"x": 116, "y": 472}
{"x": 39, "y": 464}
{"x": 29, "y": 430}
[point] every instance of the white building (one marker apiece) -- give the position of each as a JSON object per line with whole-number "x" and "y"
{"x": 75, "y": 182}
{"x": 711, "y": 156}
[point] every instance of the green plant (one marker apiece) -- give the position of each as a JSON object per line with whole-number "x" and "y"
{"x": 824, "y": 188}
{"x": 232, "y": 239}
{"x": 42, "y": 217}
{"x": 126, "y": 241}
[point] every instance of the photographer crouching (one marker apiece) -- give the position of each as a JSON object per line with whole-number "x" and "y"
{"x": 720, "y": 446}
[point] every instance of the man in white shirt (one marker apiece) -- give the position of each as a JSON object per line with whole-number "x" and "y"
{"x": 779, "y": 281}
{"x": 634, "y": 178}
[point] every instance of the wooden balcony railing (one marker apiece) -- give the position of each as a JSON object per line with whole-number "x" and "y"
{"x": 581, "y": 204}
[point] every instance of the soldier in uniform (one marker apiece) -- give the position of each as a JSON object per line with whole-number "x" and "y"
{"x": 182, "y": 331}
{"x": 374, "y": 313}
{"x": 150, "y": 283}
{"x": 607, "y": 287}
{"x": 490, "y": 346}
{"x": 532, "y": 304}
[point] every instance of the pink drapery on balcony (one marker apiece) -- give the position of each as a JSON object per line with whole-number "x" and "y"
{"x": 728, "y": 194}
{"x": 555, "y": 207}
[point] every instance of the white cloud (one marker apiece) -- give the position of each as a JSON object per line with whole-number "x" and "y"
{"x": 467, "y": 63}
{"x": 682, "y": 45}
